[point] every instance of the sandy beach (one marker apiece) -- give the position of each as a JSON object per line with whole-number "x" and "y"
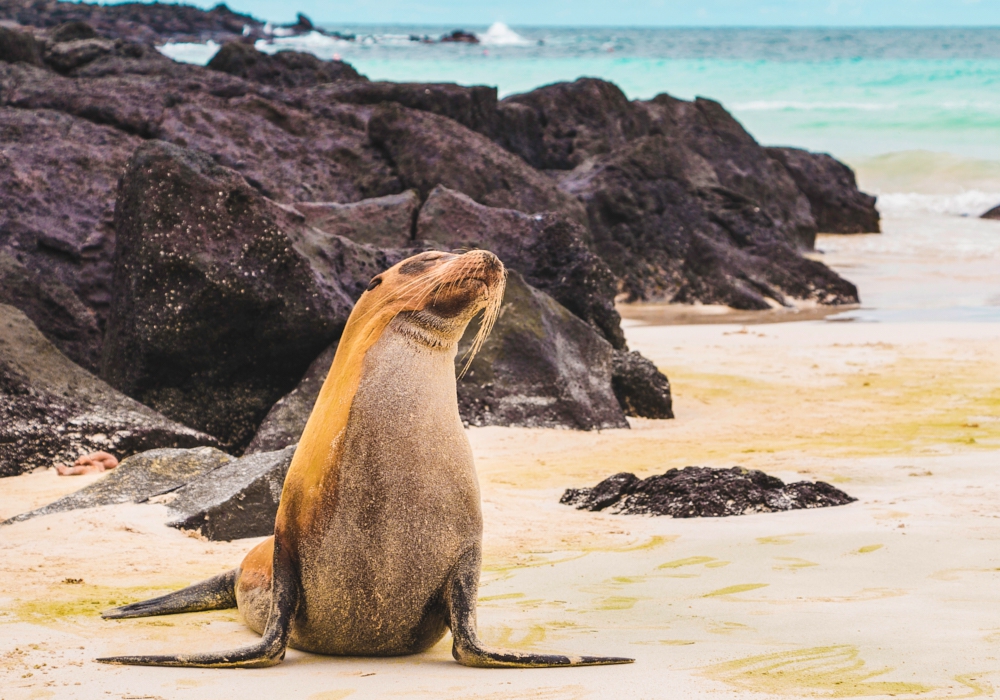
{"x": 896, "y": 403}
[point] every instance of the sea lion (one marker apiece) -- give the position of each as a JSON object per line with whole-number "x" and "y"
{"x": 378, "y": 538}
{"x": 93, "y": 463}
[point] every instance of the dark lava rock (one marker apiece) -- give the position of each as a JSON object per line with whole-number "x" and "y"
{"x": 150, "y": 23}
{"x": 642, "y": 390}
{"x": 571, "y": 122}
{"x": 282, "y": 69}
{"x": 239, "y": 499}
{"x": 540, "y": 367}
{"x": 702, "y": 214}
{"x": 384, "y": 222}
{"x": 460, "y": 36}
{"x": 837, "y": 205}
{"x": 286, "y": 420}
{"x": 73, "y": 30}
{"x": 18, "y": 46}
{"x": 472, "y": 106}
{"x": 547, "y": 249}
{"x": 54, "y": 411}
{"x": 53, "y": 308}
{"x": 993, "y": 213}
{"x": 69, "y": 55}
{"x": 221, "y": 298}
{"x": 137, "y": 479}
{"x": 694, "y": 492}
{"x": 428, "y": 150}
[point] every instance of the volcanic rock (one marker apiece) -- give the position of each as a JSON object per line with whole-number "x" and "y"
{"x": 460, "y": 36}
{"x": 547, "y": 249}
{"x": 837, "y": 205}
{"x": 694, "y": 492}
{"x": 53, "y": 308}
{"x": 73, "y": 30}
{"x": 540, "y": 367}
{"x": 137, "y": 479}
{"x": 993, "y": 213}
{"x": 286, "y": 420}
{"x": 54, "y": 411}
{"x": 699, "y": 213}
{"x": 149, "y": 23}
{"x": 218, "y": 309}
{"x": 642, "y": 390}
{"x": 384, "y": 222}
{"x": 239, "y": 499}
{"x": 282, "y": 69}
{"x": 428, "y": 150}
{"x": 571, "y": 122}
{"x": 19, "y": 46}
{"x": 69, "y": 55}
{"x": 473, "y": 106}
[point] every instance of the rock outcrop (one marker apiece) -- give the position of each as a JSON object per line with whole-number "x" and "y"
{"x": 383, "y": 222}
{"x": 52, "y": 411}
{"x": 547, "y": 249}
{"x": 239, "y": 499}
{"x": 282, "y": 69}
{"x": 703, "y": 492}
{"x": 217, "y": 309}
{"x": 54, "y": 310}
{"x": 642, "y": 390}
{"x": 540, "y": 367}
{"x": 428, "y": 150}
{"x": 837, "y": 205}
{"x": 286, "y": 420}
{"x": 993, "y": 213}
{"x": 137, "y": 479}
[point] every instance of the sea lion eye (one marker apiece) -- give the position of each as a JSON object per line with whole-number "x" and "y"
{"x": 376, "y": 281}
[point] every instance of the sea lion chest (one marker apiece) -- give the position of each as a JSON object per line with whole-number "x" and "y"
{"x": 405, "y": 507}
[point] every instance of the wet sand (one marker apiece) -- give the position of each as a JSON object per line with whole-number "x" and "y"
{"x": 897, "y": 594}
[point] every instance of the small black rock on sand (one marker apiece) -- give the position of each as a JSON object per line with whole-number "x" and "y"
{"x": 703, "y": 492}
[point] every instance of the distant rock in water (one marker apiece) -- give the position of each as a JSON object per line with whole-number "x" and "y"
{"x": 460, "y": 36}
{"x": 694, "y": 492}
{"x": 993, "y": 213}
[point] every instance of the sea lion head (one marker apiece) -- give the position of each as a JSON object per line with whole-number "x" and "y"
{"x": 435, "y": 294}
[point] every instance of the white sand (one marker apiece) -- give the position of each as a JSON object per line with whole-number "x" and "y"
{"x": 898, "y": 594}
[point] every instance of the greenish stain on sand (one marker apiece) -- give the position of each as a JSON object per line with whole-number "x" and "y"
{"x": 869, "y": 548}
{"x": 711, "y": 562}
{"x": 831, "y": 671}
{"x": 616, "y": 602}
{"x": 781, "y": 539}
{"x": 739, "y": 588}
{"x": 503, "y": 596}
{"x": 90, "y": 602}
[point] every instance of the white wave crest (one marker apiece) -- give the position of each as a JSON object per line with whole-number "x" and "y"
{"x": 788, "y": 105}
{"x": 499, "y": 34}
{"x": 316, "y": 43}
{"x": 968, "y": 203}
{"x": 186, "y": 52}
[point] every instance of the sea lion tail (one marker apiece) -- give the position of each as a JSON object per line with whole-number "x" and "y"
{"x": 216, "y": 593}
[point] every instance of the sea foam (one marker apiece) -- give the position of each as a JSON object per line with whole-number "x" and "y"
{"x": 499, "y": 34}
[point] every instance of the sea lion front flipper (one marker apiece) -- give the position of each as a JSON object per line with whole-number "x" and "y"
{"x": 460, "y": 597}
{"x": 270, "y": 650}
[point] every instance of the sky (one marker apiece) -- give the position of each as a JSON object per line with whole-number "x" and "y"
{"x": 633, "y": 13}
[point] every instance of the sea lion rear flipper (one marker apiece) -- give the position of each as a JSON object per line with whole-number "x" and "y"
{"x": 269, "y": 651}
{"x": 460, "y": 597}
{"x": 216, "y": 593}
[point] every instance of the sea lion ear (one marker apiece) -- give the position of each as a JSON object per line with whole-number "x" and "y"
{"x": 376, "y": 281}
